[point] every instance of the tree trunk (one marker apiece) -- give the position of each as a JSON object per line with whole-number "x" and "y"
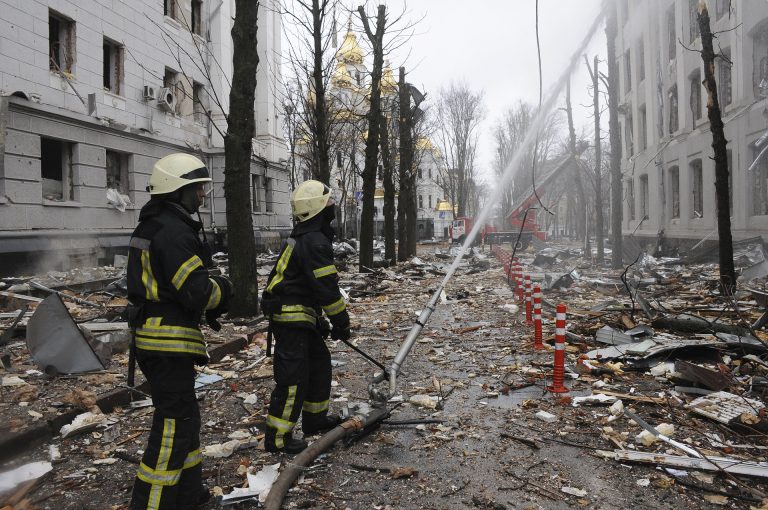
{"x": 727, "y": 272}
{"x": 237, "y": 153}
{"x": 372, "y": 142}
{"x": 599, "y": 229}
{"x": 389, "y": 193}
{"x": 407, "y": 195}
{"x": 412, "y": 213}
{"x": 581, "y": 203}
{"x": 617, "y": 210}
{"x": 322, "y": 170}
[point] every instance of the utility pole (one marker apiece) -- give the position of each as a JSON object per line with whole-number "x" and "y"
{"x": 598, "y": 177}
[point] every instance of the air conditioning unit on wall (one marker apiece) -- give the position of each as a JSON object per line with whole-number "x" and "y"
{"x": 149, "y": 93}
{"x": 167, "y": 99}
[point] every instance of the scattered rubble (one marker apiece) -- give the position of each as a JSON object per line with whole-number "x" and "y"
{"x": 472, "y": 424}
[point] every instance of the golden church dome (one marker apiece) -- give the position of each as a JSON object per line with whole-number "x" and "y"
{"x": 350, "y": 52}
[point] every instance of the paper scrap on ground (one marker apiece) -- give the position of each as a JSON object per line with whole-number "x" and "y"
{"x": 259, "y": 484}
{"x": 21, "y": 474}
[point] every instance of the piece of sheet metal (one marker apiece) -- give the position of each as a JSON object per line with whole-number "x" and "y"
{"x": 723, "y": 406}
{"x": 55, "y": 341}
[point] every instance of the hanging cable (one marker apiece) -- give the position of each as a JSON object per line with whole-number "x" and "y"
{"x": 536, "y": 143}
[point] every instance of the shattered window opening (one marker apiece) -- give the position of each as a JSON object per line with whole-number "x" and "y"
{"x": 674, "y": 191}
{"x": 113, "y": 66}
{"x": 199, "y": 100}
{"x": 628, "y": 135}
{"x": 644, "y": 196}
{"x": 268, "y": 195}
{"x": 169, "y": 8}
{"x": 760, "y": 61}
{"x": 672, "y": 37}
{"x": 724, "y": 84}
{"x": 695, "y": 97}
{"x": 421, "y": 202}
{"x": 117, "y": 171}
{"x": 674, "y": 124}
{"x": 693, "y": 11}
{"x": 56, "y": 169}
{"x": 255, "y": 193}
{"x": 759, "y": 184}
{"x": 641, "y": 61}
{"x": 61, "y": 43}
{"x": 172, "y": 81}
{"x": 627, "y": 73}
{"x": 197, "y": 17}
{"x": 631, "y": 198}
{"x": 697, "y": 188}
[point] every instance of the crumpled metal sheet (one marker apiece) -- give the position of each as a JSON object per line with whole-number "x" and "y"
{"x": 55, "y": 341}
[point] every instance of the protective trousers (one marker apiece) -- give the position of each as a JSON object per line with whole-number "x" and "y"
{"x": 170, "y": 474}
{"x": 302, "y": 369}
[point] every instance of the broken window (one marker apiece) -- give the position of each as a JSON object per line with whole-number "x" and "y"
{"x": 671, "y": 36}
{"x": 430, "y": 201}
{"x": 255, "y": 193}
{"x": 693, "y": 11}
{"x": 724, "y": 86}
{"x": 172, "y": 82}
{"x": 697, "y": 187}
{"x": 56, "y": 169}
{"x": 197, "y": 17}
{"x": 338, "y": 159}
{"x": 673, "y": 110}
{"x": 61, "y": 43}
{"x": 268, "y": 194}
{"x": 117, "y": 171}
{"x": 674, "y": 191}
{"x": 759, "y": 184}
{"x": 169, "y": 8}
{"x": 631, "y": 198}
{"x": 627, "y": 73}
{"x": 641, "y": 61}
{"x": 628, "y": 135}
{"x": 696, "y": 96}
{"x": 420, "y": 173}
{"x": 429, "y": 173}
{"x": 642, "y": 128}
{"x": 113, "y": 66}
{"x": 760, "y": 62}
{"x": 644, "y": 196}
{"x": 199, "y": 102}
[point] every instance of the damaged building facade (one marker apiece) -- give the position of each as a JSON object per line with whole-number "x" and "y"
{"x": 669, "y": 187}
{"x": 93, "y": 95}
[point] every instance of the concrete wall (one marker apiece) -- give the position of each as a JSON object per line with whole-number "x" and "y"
{"x": 743, "y": 117}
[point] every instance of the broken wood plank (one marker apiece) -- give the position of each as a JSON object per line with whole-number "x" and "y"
{"x": 636, "y": 398}
{"x": 20, "y": 296}
{"x": 733, "y": 466}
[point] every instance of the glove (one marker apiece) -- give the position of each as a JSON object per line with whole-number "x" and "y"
{"x": 227, "y": 292}
{"x": 341, "y": 332}
{"x": 323, "y": 327}
{"x": 211, "y": 318}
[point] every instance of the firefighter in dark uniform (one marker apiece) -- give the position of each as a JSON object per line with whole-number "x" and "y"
{"x": 302, "y": 286}
{"x": 169, "y": 289}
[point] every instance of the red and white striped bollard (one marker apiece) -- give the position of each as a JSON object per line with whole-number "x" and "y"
{"x": 528, "y": 302}
{"x": 558, "y": 372}
{"x": 538, "y": 341}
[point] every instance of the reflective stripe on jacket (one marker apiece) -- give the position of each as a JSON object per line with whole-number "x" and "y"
{"x": 167, "y": 274}
{"x": 305, "y": 280}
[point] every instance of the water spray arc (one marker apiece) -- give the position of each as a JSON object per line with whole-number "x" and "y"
{"x": 376, "y": 393}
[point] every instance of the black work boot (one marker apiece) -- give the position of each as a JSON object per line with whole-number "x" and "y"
{"x": 290, "y": 444}
{"x": 314, "y": 424}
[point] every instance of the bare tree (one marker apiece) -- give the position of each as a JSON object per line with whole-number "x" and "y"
{"x": 579, "y": 202}
{"x": 376, "y": 40}
{"x": 459, "y": 111}
{"x": 598, "y": 166}
{"x": 727, "y": 271}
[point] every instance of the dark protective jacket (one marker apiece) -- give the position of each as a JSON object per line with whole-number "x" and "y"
{"x": 304, "y": 281}
{"x": 167, "y": 276}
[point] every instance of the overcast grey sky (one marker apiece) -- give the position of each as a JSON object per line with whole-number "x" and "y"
{"x": 491, "y": 44}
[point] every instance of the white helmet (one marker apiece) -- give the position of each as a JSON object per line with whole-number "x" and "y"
{"x": 309, "y": 198}
{"x": 176, "y": 171}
